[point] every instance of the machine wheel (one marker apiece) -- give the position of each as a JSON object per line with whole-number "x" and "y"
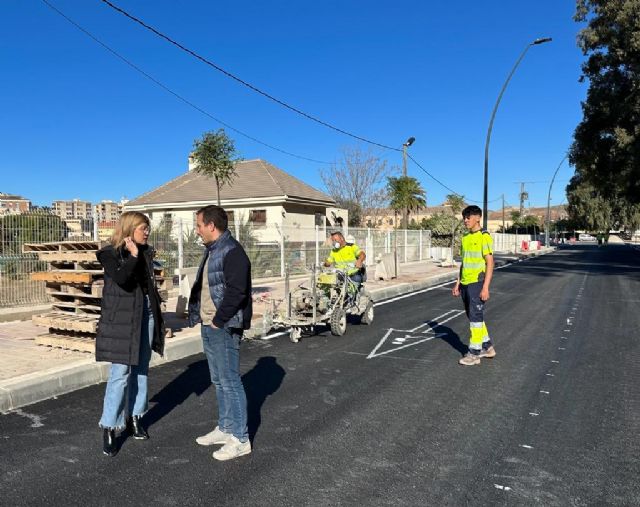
{"x": 338, "y": 322}
{"x": 295, "y": 334}
{"x": 367, "y": 315}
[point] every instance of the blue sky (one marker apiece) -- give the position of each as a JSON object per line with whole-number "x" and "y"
{"x": 78, "y": 122}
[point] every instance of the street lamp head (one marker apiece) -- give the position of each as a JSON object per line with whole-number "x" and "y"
{"x": 410, "y": 141}
{"x": 541, "y": 41}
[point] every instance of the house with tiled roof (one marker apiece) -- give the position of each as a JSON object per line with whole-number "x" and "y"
{"x": 261, "y": 194}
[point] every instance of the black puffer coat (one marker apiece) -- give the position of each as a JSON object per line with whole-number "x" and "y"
{"x": 119, "y": 327}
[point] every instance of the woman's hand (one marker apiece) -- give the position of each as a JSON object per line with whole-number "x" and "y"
{"x": 130, "y": 245}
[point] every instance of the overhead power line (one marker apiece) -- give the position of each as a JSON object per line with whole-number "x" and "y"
{"x": 433, "y": 177}
{"x": 178, "y": 96}
{"x": 242, "y": 81}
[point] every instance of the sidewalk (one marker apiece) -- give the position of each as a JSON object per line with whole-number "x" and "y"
{"x": 30, "y": 373}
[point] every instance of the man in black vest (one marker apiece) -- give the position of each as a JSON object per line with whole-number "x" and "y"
{"x": 221, "y": 300}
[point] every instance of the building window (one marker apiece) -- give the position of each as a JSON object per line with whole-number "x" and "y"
{"x": 258, "y": 216}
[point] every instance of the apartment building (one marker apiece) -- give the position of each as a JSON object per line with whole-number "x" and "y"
{"x": 13, "y": 204}
{"x": 109, "y": 211}
{"x": 74, "y": 209}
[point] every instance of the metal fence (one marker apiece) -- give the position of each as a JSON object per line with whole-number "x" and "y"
{"x": 271, "y": 248}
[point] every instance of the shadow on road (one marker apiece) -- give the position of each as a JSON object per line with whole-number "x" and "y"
{"x": 449, "y": 336}
{"x": 261, "y": 381}
{"x": 194, "y": 380}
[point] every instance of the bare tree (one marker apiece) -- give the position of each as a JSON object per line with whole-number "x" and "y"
{"x": 360, "y": 177}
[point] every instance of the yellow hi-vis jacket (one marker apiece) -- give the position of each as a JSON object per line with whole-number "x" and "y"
{"x": 345, "y": 258}
{"x": 475, "y": 245}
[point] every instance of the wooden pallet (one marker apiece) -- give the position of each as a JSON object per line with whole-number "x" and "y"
{"x": 62, "y": 246}
{"x": 68, "y": 275}
{"x": 81, "y": 256}
{"x": 92, "y": 290}
{"x": 77, "y": 308}
{"x": 67, "y": 321}
{"x": 79, "y": 343}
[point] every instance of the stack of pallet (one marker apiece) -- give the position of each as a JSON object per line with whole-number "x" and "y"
{"x": 74, "y": 283}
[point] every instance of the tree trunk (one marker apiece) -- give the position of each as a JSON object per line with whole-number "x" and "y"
{"x": 218, "y": 189}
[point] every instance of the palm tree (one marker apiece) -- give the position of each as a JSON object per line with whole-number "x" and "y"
{"x": 405, "y": 192}
{"x": 215, "y": 156}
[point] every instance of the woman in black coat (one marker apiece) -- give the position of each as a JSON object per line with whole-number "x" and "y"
{"x": 130, "y": 327}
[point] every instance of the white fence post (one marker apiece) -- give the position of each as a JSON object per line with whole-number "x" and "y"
{"x": 282, "y": 252}
{"x": 420, "y": 244}
{"x": 180, "y": 253}
{"x": 369, "y": 248}
{"x": 95, "y": 227}
{"x": 406, "y": 241}
{"x": 317, "y": 245}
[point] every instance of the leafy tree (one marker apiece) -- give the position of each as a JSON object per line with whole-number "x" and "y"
{"x": 215, "y": 156}
{"x": 405, "y": 192}
{"x": 15, "y": 230}
{"x": 456, "y": 202}
{"x": 522, "y": 223}
{"x": 359, "y": 177}
{"x": 446, "y": 227}
{"x": 606, "y": 148}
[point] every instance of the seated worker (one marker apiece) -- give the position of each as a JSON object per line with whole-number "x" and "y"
{"x": 347, "y": 257}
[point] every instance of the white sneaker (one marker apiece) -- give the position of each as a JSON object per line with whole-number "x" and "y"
{"x": 214, "y": 437}
{"x": 232, "y": 449}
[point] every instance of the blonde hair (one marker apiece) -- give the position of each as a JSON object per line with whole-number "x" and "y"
{"x": 128, "y": 222}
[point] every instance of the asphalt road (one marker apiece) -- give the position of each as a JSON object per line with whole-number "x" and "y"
{"x": 384, "y": 415}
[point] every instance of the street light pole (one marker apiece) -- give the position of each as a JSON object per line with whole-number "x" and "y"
{"x": 548, "y": 224}
{"x": 493, "y": 115}
{"x": 405, "y": 211}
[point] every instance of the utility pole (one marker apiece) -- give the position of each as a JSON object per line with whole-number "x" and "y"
{"x": 405, "y": 210}
{"x": 547, "y": 226}
{"x": 503, "y": 229}
{"x": 523, "y": 196}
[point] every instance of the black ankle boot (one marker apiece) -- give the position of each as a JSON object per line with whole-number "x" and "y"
{"x": 137, "y": 431}
{"x": 109, "y": 446}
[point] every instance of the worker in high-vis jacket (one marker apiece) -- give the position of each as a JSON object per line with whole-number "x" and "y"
{"x": 473, "y": 283}
{"x": 346, "y": 257}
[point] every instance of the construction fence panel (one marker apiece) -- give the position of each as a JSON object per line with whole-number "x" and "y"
{"x": 270, "y": 247}
{"x": 16, "y": 266}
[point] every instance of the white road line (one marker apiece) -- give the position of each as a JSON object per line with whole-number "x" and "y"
{"x": 413, "y": 293}
{"x": 436, "y": 321}
{"x": 274, "y": 335}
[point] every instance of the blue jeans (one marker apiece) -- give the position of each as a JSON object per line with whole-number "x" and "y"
{"x": 128, "y": 384}
{"x": 222, "y": 349}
